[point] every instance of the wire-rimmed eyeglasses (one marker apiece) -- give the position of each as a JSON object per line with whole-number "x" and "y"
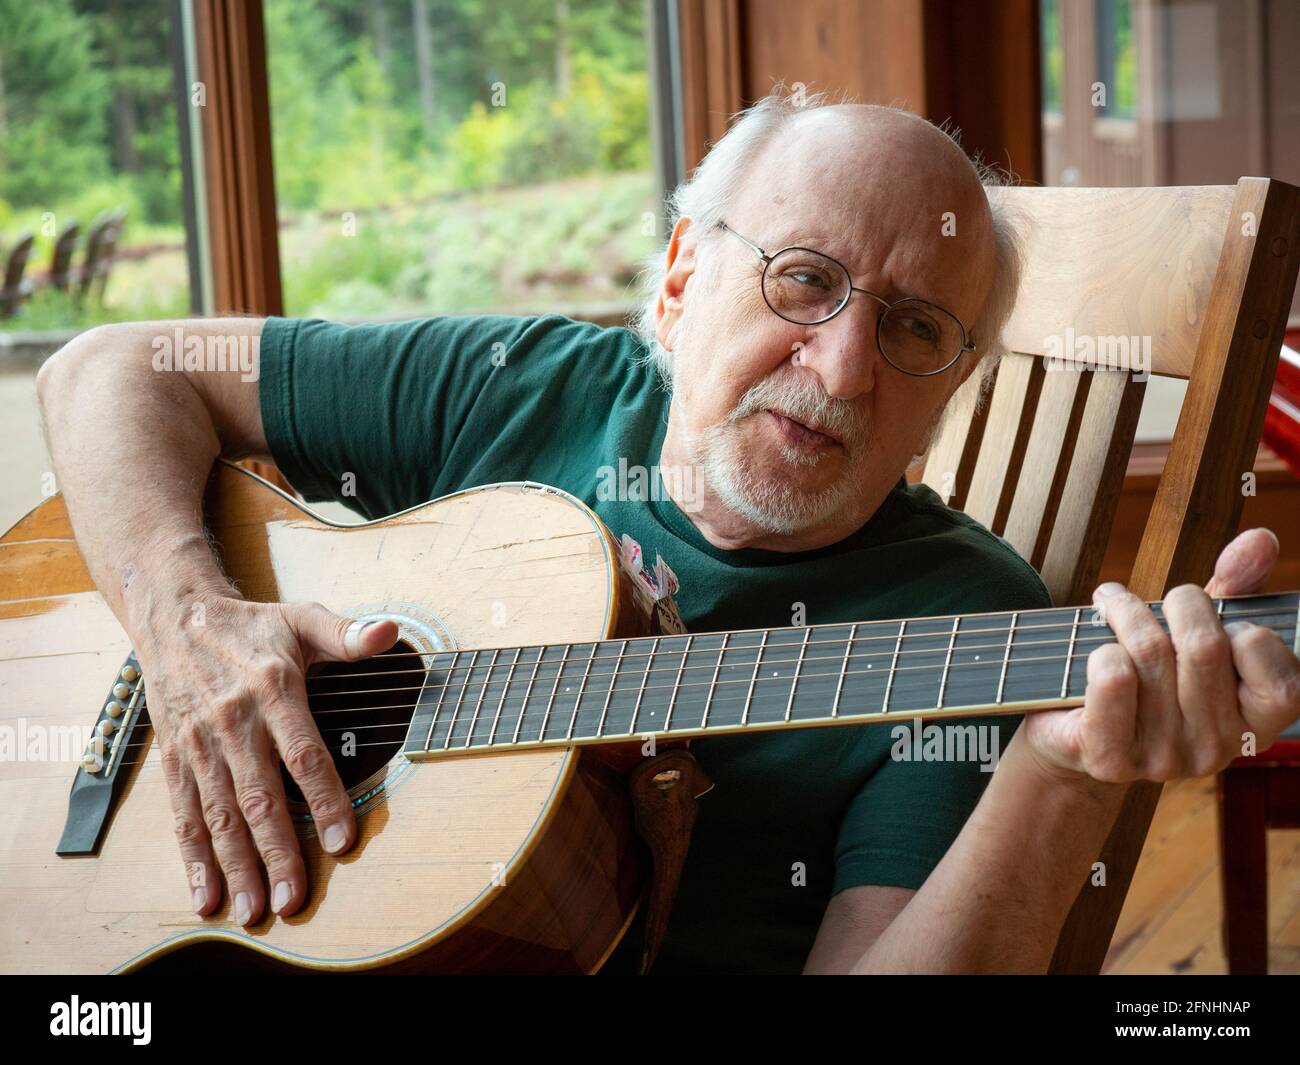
{"x": 808, "y": 287}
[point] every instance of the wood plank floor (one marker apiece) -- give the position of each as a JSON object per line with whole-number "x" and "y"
{"x": 1172, "y": 918}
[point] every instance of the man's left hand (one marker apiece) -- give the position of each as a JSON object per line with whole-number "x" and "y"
{"x": 1183, "y": 703}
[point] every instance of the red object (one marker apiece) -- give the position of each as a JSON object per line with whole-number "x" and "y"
{"x": 1282, "y": 419}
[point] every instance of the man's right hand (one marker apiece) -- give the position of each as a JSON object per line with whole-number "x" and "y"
{"x": 228, "y": 703}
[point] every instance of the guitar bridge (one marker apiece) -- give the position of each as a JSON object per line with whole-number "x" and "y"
{"x": 109, "y": 754}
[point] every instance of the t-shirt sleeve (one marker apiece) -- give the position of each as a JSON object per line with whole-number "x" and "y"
{"x": 372, "y": 411}
{"x": 907, "y": 814}
{"x": 387, "y": 416}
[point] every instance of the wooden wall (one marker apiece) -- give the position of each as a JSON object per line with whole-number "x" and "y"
{"x": 971, "y": 62}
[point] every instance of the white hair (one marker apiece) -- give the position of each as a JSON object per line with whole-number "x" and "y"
{"x": 706, "y": 197}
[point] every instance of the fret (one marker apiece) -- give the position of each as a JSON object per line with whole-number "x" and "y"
{"x": 1006, "y": 657}
{"x": 631, "y": 675}
{"x": 973, "y": 675}
{"x": 1069, "y": 654}
{"x": 917, "y": 675}
{"x": 893, "y": 666}
{"x": 803, "y": 653}
{"x": 433, "y": 721}
{"x": 478, "y": 706}
{"x": 459, "y": 699}
{"x": 677, "y": 686}
{"x": 613, "y": 679}
{"x": 523, "y": 706}
{"x": 550, "y": 701}
{"x": 1036, "y": 654}
{"x": 581, "y": 686}
{"x": 418, "y": 738}
{"x": 732, "y": 693}
{"x": 866, "y": 677}
{"x": 667, "y": 665}
{"x": 839, "y": 684}
{"x": 694, "y": 690}
{"x": 594, "y": 690}
{"x": 645, "y": 676}
{"x": 947, "y": 663}
{"x": 749, "y": 696}
{"x": 780, "y": 663}
{"x": 713, "y": 683}
{"x": 505, "y": 688}
{"x": 818, "y": 669}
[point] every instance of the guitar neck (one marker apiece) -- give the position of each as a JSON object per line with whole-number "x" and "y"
{"x": 956, "y": 665}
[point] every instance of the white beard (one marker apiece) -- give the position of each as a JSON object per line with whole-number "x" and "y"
{"x": 772, "y": 503}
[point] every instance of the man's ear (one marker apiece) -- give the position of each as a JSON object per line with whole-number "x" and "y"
{"x": 672, "y": 296}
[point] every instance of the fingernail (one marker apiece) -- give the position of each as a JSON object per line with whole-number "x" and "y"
{"x": 198, "y": 899}
{"x": 1275, "y": 539}
{"x": 1108, "y": 589}
{"x": 1234, "y": 628}
{"x": 352, "y": 638}
{"x": 243, "y": 908}
{"x": 282, "y": 895}
{"x": 335, "y": 836}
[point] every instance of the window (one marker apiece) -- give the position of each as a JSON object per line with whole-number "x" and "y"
{"x": 1116, "y": 58}
{"x": 95, "y": 207}
{"x": 1050, "y": 16}
{"x": 445, "y": 156}
{"x": 1218, "y": 107}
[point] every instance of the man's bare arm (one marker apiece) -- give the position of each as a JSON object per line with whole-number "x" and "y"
{"x": 133, "y": 444}
{"x": 120, "y": 430}
{"x": 997, "y": 900}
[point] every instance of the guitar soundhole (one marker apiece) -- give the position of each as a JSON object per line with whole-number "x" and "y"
{"x": 362, "y": 710}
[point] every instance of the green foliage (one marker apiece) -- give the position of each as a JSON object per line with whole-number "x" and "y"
{"x": 54, "y": 135}
{"x": 364, "y": 120}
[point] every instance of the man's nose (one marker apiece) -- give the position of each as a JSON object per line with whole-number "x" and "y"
{"x": 843, "y": 352}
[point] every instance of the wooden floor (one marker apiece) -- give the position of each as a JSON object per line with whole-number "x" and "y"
{"x": 1172, "y": 917}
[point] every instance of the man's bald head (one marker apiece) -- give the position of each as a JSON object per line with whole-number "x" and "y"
{"x": 871, "y": 180}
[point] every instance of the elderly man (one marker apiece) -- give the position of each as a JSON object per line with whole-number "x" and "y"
{"x": 834, "y": 274}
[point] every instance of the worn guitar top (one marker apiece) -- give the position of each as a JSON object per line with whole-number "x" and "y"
{"x": 416, "y": 410}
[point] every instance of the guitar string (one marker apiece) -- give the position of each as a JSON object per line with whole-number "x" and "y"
{"x": 404, "y": 707}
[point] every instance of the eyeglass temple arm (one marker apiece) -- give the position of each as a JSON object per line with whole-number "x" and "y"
{"x": 761, "y": 253}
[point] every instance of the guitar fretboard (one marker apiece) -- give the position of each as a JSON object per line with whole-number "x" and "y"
{"x": 726, "y": 682}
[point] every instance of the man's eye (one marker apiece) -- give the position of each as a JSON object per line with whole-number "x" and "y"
{"x": 809, "y": 277}
{"x": 921, "y": 328}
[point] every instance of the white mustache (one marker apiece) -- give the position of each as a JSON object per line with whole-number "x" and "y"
{"x": 802, "y": 400}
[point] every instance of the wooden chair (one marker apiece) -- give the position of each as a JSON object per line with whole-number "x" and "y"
{"x": 14, "y": 287}
{"x": 1207, "y": 273}
{"x": 101, "y": 243}
{"x": 62, "y": 275}
{"x": 1255, "y": 794}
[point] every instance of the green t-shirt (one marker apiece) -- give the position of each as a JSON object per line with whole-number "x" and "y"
{"x": 415, "y": 410}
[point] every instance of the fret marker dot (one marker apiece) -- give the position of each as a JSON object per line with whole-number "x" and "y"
{"x": 775, "y": 673}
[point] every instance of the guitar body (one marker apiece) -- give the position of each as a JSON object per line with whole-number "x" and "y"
{"x": 524, "y": 862}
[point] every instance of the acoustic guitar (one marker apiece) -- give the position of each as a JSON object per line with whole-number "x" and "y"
{"x": 487, "y": 754}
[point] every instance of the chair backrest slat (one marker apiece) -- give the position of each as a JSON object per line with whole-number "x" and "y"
{"x": 1036, "y": 491}
{"x": 1072, "y": 547}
